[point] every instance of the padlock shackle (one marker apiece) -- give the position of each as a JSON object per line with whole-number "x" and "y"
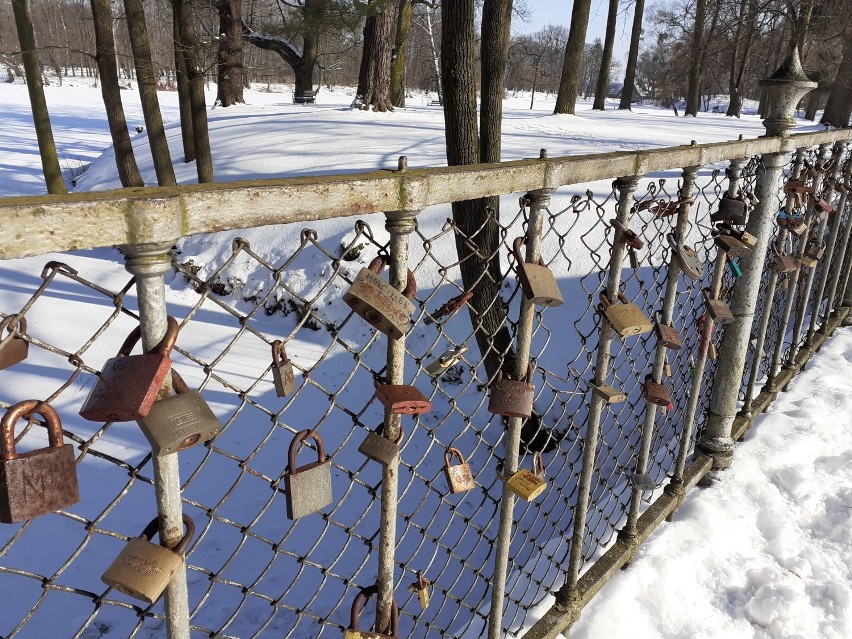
{"x": 358, "y": 605}
{"x": 163, "y": 348}
{"x": 153, "y": 528}
{"x": 410, "y": 286}
{"x": 451, "y": 451}
{"x": 9, "y": 323}
{"x": 297, "y": 440}
{"x": 178, "y": 384}
{"x": 279, "y": 354}
{"x": 22, "y": 409}
{"x": 538, "y": 465}
{"x": 380, "y": 430}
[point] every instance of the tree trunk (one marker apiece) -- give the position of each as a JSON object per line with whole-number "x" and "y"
{"x": 693, "y": 94}
{"x": 436, "y": 61}
{"x": 125, "y": 161}
{"x": 403, "y": 28}
{"x": 146, "y": 79}
{"x": 632, "y": 56}
{"x": 814, "y": 98}
{"x": 606, "y": 58}
{"x": 230, "y": 53}
{"x": 314, "y": 12}
{"x": 195, "y": 76}
{"x": 41, "y": 117}
{"x": 184, "y": 101}
{"x": 374, "y": 79}
{"x": 569, "y": 84}
{"x": 838, "y": 109}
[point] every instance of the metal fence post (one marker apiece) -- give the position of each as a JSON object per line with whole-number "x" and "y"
{"x": 784, "y": 89}
{"x": 628, "y": 533}
{"x": 538, "y": 201}
{"x": 825, "y": 261}
{"x": 771, "y": 289}
{"x": 149, "y": 263}
{"x": 843, "y": 265}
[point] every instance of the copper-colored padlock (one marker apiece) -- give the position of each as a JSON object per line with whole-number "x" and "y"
{"x": 743, "y": 236}
{"x": 797, "y": 226}
{"x": 459, "y": 477}
{"x": 40, "y": 481}
{"x": 731, "y": 245}
{"x": 626, "y": 318}
{"x": 282, "y": 370}
{"x": 609, "y": 394}
{"x": 308, "y": 487}
{"x": 380, "y": 448}
{"x": 797, "y": 186}
{"x": 825, "y": 207}
{"x": 143, "y": 569}
{"x": 450, "y": 308}
{"x": 537, "y": 281}
{"x": 128, "y": 385}
{"x": 401, "y": 399}
{"x": 656, "y": 393}
{"x": 668, "y": 335}
{"x": 717, "y": 309}
{"x": 512, "y": 398}
{"x": 732, "y": 210}
{"x": 813, "y": 252}
{"x": 354, "y": 630}
{"x": 526, "y": 484}
{"x": 14, "y": 348}
{"x": 379, "y": 303}
{"x": 784, "y": 263}
{"x": 686, "y": 258}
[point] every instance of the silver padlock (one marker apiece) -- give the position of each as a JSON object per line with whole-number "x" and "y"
{"x": 180, "y": 421}
{"x": 282, "y": 370}
{"x": 380, "y": 448}
{"x": 143, "y": 570}
{"x": 308, "y": 488}
{"x": 379, "y": 303}
{"x": 449, "y": 358}
{"x": 537, "y": 281}
{"x": 686, "y": 258}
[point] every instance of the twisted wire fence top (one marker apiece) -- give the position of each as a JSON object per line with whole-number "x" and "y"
{"x": 253, "y": 572}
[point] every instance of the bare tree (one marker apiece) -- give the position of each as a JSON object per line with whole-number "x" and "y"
{"x": 374, "y": 79}
{"x": 606, "y": 59}
{"x": 403, "y": 28}
{"x": 570, "y": 83}
{"x": 230, "y": 53}
{"x": 632, "y": 56}
{"x": 839, "y": 107}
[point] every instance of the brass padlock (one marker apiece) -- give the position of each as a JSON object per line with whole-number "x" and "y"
{"x": 711, "y": 351}
{"x": 40, "y": 481}
{"x": 179, "y": 422}
{"x": 667, "y": 335}
{"x": 732, "y": 210}
{"x": 380, "y": 448}
{"x": 449, "y": 358}
{"x": 128, "y": 384}
{"x": 813, "y": 252}
{"x": 626, "y": 318}
{"x": 797, "y": 226}
{"x": 354, "y": 630}
{"x": 421, "y": 587}
{"x": 14, "y": 348}
{"x": 143, "y": 570}
{"x": 667, "y": 367}
{"x": 537, "y": 281}
{"x": 784, "y": 263}
{"x": 526, "y": 484}
{"x": 717, "y": 309}
{"x": 282, "y": 370}
{"x": 686, "y": 258}
{"x": 609, "y": 394}
{"x": 459, "y": 477}
{"x": 656, "y": 393}
{"x": 401, "y": 399}
{"x": 379, "y": 303}
{"x": 797, "y": 186}
{"x": 731, "y": 245}
{"x": 743, "y": 236}
{"x": 512, "y": 398}
{"x": 308, "y": 488}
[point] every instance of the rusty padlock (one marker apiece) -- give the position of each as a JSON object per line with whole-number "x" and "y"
{"x": 379, "y": 303}
{"x": 686, "y": 258}
{"x": 40, "y": 481}
{"x": 797, "y": 186}
{"x": 782, "y": 263}
{"x": 667, "y": 335}
{"x": 743, "y": 236}
{"x": 537, "y": 281}
{"x": 626, "y": 318}
{"x": 731, "y": 209}
{"x": 731, "y": 245}
{"x": 656, "y": 393}
{"x": 813, "y": 252}
{"x": 717, "y": 309}
{"x": 180, "y": 421}
{"x": 526, "y": 484}
{"x": 282, "y": 370}
{"x": 459, "y": 477}
{"x": 354, "y": 630}
{"x": 421, "y": 587}
{"x": 401, "y": 399}
{"x": 609, "y": 394}
{"x": 128, "y": 384}
{"x": 308, "y": 487}
{"x": 449, "y": 308}
{"x": 143, "y": 569}
{"x": 380, "y": 448}
{"x": 14, "y": 348}
{"x": 797, "y": 226}
{"x": 512, "y": 398}
{"x": 449, "y": 358}
{"x": 825, "y": 207}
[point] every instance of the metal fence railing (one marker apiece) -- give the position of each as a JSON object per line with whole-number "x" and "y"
{"x": 251, "y": 571}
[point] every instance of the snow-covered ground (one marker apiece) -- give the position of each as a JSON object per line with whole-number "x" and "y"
{"x": 270, "y": 137}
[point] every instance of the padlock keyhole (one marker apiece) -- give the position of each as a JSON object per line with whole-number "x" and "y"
{"x": 372, "y": 316}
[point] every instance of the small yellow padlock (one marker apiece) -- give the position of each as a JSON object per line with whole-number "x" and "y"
{"x": 526, "y": 484}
